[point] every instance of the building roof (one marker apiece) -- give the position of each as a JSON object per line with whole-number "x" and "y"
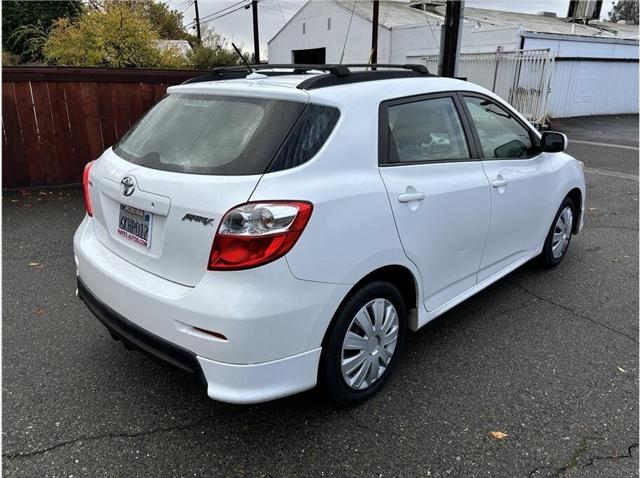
{"x": 544, "y": 24}
{"x": 391, "y": 13}
{"x": 394, "y": 14}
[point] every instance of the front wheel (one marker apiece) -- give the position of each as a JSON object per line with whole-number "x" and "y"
{"x": 559, "y": 237}
{"x": 363, "y": 345}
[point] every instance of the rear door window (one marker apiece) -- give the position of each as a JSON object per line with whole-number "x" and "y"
{"x": 425, "y": 131}
{"x": 209, "y": 134}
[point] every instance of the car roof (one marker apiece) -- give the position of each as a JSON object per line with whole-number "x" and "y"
{"x": 287, "y": 86}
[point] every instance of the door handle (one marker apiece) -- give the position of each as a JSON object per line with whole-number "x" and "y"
{"x": 408, "y": 197}
{"x": 499, "y": 183}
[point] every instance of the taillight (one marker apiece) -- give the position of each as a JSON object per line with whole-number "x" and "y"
{"x": 255, "y": 233}
{"x": 85, "y": 186}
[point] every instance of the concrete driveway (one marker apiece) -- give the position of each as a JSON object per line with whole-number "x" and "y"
{"x": 550, "y": 358}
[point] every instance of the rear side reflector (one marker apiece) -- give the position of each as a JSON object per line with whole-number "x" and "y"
{"x": 86, "y": 185}
{"x": 217, "y": 335}
{"x": 256, "y": 233}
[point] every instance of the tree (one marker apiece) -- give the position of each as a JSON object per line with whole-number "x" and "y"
{"x": 26, "y": 24}
{"x": 214, "y": 51}
{"x": 624, "y": 10}
{"x": 117, "y": 35}
{"x": 167, "y": 22}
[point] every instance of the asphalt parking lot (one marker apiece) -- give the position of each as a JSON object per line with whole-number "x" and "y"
{"x": 550, "y": 358}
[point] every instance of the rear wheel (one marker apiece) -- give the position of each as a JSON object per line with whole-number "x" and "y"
{"x": 559, "y": 237}
{"x": 364, "y": 343}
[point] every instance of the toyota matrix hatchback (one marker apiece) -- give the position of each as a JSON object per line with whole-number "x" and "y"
{"x": 273, "y": 231}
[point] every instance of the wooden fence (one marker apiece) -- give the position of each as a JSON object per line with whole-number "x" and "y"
{"x": 55, "y": 120}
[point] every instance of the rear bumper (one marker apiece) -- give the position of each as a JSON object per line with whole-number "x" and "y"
{"x": 123, "y": 329}
{"x": 273, "y": 323}
{"x": 225, "y": 382}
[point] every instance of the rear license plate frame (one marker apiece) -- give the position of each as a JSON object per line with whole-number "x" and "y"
{"x": 134, "y": 224}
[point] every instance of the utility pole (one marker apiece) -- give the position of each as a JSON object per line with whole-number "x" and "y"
{"x": 374, "y": 33}
{"x": 195, "y": 3}
{"x": 450, "y": 38}
{"x": 256, "y": 39}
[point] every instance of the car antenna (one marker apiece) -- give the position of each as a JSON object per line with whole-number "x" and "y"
{"x": 244, "y": 60}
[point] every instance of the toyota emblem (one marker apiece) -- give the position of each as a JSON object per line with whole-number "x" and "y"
{"x": 127, "y": 186}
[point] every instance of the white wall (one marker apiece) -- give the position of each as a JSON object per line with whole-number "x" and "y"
{"x": 314, "y": 15}
{"x": 487, "y": 39}
{"x": 410, "y": 43}
{"x": 581, "y": 88}
{"x": 400, "y": 45}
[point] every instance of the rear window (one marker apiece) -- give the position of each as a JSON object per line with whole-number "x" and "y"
{"x": 206, "y": 134}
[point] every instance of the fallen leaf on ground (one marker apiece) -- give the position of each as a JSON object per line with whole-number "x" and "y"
{"x": 622, "y": 370}
{"x": 592, "y": 209}
{"x": 34, "y": 263}
{"x": 498, "y": 435}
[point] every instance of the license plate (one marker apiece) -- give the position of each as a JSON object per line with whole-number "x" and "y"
{"x": 135, "y": 225}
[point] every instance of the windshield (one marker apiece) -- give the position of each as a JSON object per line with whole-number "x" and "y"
{"x": 206, "y": 134}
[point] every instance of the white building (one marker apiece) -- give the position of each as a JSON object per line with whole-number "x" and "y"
{"x": 595, "y": 66}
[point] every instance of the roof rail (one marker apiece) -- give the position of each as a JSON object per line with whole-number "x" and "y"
{"x": 342, "y": 73}
{"x": 339, "y": 70}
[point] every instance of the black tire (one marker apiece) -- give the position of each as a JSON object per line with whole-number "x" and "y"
{"x": 546, "y": 258}
{"x": 330, "y": 373}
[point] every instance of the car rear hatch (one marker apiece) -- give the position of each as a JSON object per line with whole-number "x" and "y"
{"x": 158, "y": 196}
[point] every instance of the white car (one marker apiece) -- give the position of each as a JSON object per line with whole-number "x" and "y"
{"x": 285, "y": 228}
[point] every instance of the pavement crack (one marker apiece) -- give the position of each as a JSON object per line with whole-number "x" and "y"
{"x": 629, "y": 454}
{"x": 571, "y": 310}
{"x": 579, "y": 453}
{"x": 184, "y": 426}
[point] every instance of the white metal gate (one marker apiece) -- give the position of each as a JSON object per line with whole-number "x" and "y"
{"x": 522, "y": 77}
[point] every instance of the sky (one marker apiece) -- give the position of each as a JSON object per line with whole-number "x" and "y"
{"x": 236, "y": 24}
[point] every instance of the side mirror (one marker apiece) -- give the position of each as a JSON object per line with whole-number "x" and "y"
{"x": 553, "y": 142}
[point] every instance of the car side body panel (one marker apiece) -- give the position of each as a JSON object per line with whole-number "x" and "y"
{"x": 351, "y": 231}
{"x": 567, "y": 174}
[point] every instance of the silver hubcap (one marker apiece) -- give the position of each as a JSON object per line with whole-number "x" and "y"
{"x": 369, "y": 344}
{"x": 562, "y": 233}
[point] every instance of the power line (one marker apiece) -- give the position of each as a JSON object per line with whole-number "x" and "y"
{"x": 384, "y": 18}
{"x": 437, "y": 43}
{"x": 186, "y": 4}
{"x": 280, "y": 8}
{"x": 282, "y": 12}
{"x": 223, "y": 9}
{"x": 216, "y": 18}
{"x": 182, "y": 6}
{"x": 353, "y": 10}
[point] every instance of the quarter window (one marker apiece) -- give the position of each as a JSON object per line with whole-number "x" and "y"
{"x": 501, "y": 134}
{"x": 427, "y": 130}
{"x": 306, "y": 138}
